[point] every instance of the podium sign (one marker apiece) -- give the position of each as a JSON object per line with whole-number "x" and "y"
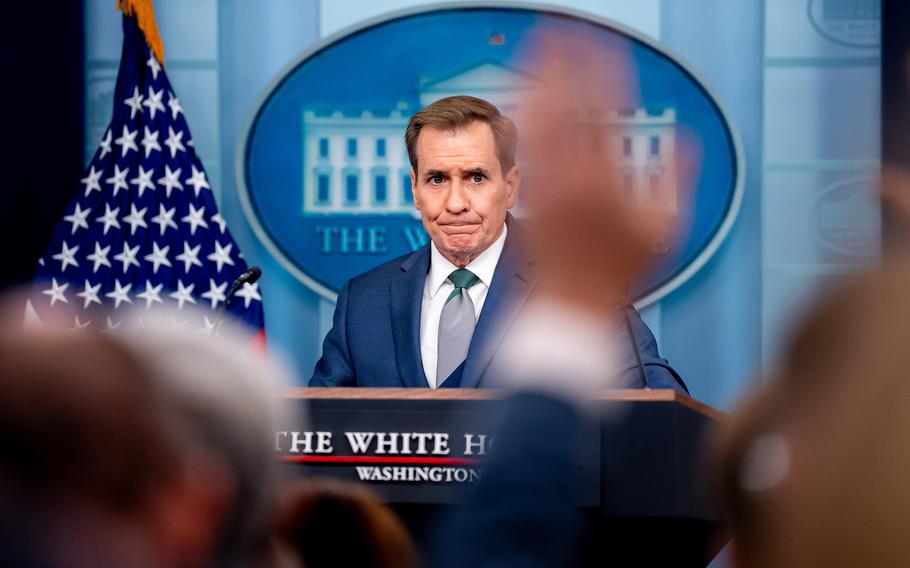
{"x": 426, "y": 446}
{"x": 428, "y": 450}
{"x": 641, "y": 465}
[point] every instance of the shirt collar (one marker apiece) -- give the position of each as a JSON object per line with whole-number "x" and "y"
{"x": 483, "y": 266}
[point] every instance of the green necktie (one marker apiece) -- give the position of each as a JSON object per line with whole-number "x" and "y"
{"x": 463, "y": 279}
{"x": 456, "y": 325}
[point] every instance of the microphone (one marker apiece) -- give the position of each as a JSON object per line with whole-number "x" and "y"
{"x": 248, "y": 277}
{"x": 641, "y": 367}
{"x": 624, "y": 306}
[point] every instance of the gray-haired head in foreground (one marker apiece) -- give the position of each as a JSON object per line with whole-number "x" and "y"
{"x": 221, "y": 402}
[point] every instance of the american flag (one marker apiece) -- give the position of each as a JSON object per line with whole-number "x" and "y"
{"x": 143, "y": 229}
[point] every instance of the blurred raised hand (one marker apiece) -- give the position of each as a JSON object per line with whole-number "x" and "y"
{"x": 591, "y": 237}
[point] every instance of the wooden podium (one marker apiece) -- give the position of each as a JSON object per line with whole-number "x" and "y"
{"x": 644, "y": 465}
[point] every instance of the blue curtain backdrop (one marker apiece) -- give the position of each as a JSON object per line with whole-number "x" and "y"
{"x": 803, "y": 97}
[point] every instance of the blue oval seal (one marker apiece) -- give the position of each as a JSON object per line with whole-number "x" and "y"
{"x": 854, "y": 23}
{"x": 847, "y": 217}
{"x": 322, "y": 168}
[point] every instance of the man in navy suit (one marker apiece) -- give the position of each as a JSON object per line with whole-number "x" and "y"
{"x": 435, "y": 317}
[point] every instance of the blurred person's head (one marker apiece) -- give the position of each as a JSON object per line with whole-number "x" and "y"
{"x": 814, "y": 469}
{"x": 151, "y": 445}
{"x": 219, "y": 402}
{"x": 463, "y": 173}
{"x": 331, "y": 523}
{"x": 83, "y": 457}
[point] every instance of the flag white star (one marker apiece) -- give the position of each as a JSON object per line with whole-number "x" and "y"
{"x": 99, "y": 257}
{"x": 183, "y": 294}
{"x": 198, "y": 181}
{"x": 105, "y": 144}
{"x": 153, "y": 101}
{"x": 249, "y": 292}
{"x": 111, "y": 326}
{"x": 151, "y": 294}
{"x": 174, "y": 103}
{"x": 67, "y": 256}
{"x": 109, "y": 218}
{"x": 174, "y": 141}
{"x": 143, "y": 180}
{"x": 194, "y": 218}
{"x": 181, "y": 323}
{"x": 154, "y": 66}
{"x": 219, "y": 220}
{"x": 165, "y": 218}
{"x": 171, "y": 180}
{"x": 90, "y": 294}
{"x": 215, "y": 293}
{"x": 120, "y": 294}
{"x": 150, "y": 141}
{"x": 92, "y": 179}
{"x": 128, "y": 256}
{"x": 190, "y": 256}
{"x": 134, "y": 102}
{"x": 222, "y": 255}
{"x": 78, "y": 325}
{"x": 158, "y": 257}
{"x": 127, "y": 141}
{"x": 208, "y": 327}
{"x": 78, "y": 218}
{"x": 136, "y": 218}
{"x": 57, "y": 291}
{"x": 118, "y": 180}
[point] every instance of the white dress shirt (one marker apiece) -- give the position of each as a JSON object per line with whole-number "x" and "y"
{"x": 437, "y": 290}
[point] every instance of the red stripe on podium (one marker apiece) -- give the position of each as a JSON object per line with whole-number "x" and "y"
{"x": 379, "y": 459}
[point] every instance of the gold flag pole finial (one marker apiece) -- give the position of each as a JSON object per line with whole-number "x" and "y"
{"x": 145, "y": 18}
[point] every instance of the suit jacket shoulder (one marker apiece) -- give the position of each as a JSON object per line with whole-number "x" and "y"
{"x": 369, "y": 343}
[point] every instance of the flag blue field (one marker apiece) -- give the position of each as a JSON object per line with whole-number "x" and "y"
{"x": 144, "y": 229}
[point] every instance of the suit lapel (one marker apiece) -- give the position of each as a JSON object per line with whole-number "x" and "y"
{"x": 407, "y": 299}
{"x": 511, "y": 285}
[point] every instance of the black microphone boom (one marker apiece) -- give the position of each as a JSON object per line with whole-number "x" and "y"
{"x": 248, "y": 277}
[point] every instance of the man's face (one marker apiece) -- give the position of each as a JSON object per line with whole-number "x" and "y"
{"x": 461, "y": 191}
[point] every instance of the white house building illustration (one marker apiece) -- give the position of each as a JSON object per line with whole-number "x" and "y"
{"x": 356, "y": 163}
